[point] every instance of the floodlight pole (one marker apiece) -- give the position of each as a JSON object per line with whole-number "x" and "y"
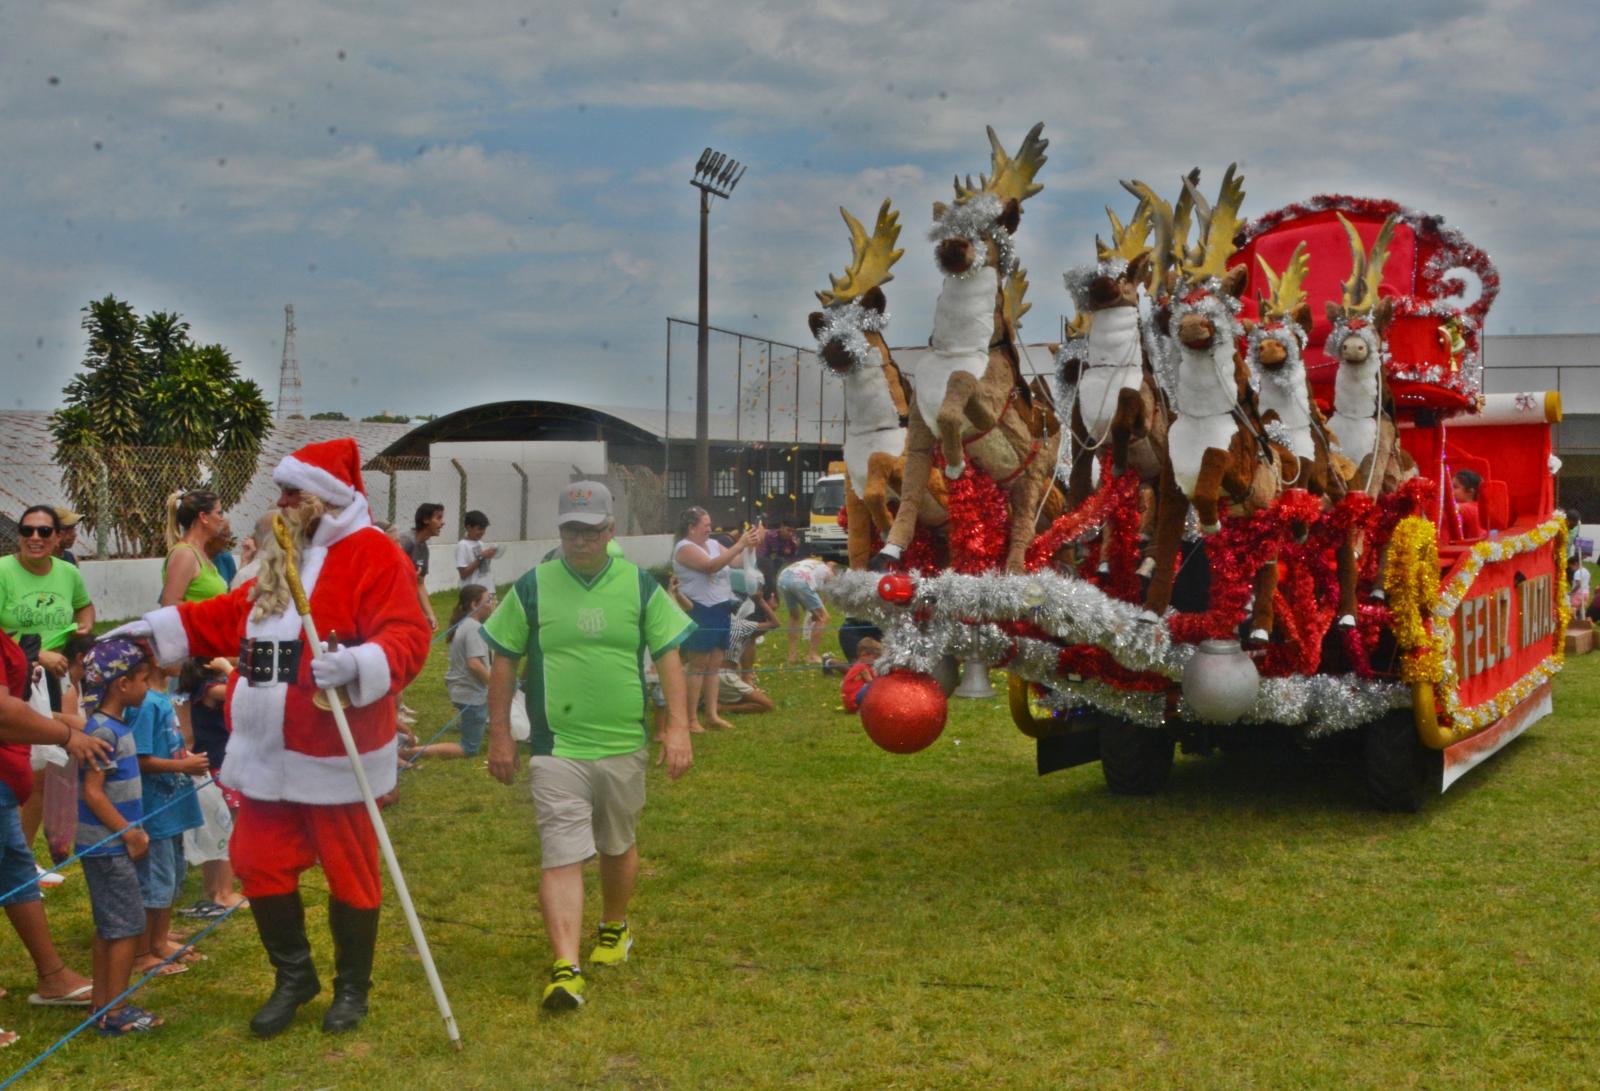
{"x": 702, "y": 371}
{"x": 715, "y": 174}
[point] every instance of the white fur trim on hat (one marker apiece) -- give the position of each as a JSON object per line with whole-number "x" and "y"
{"x": 295, "y": 474}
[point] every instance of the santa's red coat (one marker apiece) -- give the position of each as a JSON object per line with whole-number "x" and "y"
{"x": 282, "y": 747}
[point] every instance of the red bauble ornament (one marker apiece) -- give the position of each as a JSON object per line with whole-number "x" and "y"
{"x": 904, "y": 712}
{"x": 897, "y": 588}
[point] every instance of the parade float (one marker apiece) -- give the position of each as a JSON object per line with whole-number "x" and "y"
{"x": 1232, "y": 517}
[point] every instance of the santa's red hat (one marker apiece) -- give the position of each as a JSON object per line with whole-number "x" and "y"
{"x": 330, "y": 470}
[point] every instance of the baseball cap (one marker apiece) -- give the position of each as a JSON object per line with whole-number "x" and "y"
{"x": 586, "y": 502}
{"x": 105, "y": 663}
{"x": 67, "y": 517}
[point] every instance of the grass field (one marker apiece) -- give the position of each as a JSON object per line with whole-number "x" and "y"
{"x": 814, "y": 912}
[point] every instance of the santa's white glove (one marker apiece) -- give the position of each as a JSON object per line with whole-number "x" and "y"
{"x": 133, "y": 630}
{"x": 334, "y": 669}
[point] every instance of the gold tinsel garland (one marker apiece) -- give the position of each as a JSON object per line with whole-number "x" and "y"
{"x": 1411, "y": 582}
{"x": 1414, "y": 592}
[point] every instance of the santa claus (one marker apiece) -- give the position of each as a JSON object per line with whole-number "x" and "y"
{"x": 301, "y": 803}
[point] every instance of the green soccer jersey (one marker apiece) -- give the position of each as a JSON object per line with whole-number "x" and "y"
{"x": 582, "y": 639}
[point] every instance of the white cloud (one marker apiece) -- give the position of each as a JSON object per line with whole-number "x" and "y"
{"x": 438, "y": 185}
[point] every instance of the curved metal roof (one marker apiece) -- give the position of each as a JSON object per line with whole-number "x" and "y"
{"x": 519, "y": 420}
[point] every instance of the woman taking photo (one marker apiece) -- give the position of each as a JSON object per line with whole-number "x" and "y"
{"x": 701, "y": 565}
{"x": 194, "y": 522}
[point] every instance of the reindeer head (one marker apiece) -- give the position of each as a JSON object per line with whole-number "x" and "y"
{"x": 1123, "y": 265}
{"x": 1205, "y": 295}
{"x": 1360, "y": 318}
{"x": 976, "y": 230}
{"x": 849, "y": 329}
{"x": 1285, "y": 316}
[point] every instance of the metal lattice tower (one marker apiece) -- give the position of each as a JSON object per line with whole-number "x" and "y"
{"x": 289, "y": 400}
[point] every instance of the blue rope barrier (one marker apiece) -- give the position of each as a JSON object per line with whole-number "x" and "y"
{"x": 129, "y": 991}
{"x": 140, "y": 821}
{"x": 451, "y": 722}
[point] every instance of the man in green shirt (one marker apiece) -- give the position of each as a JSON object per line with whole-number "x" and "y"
{"x": 577, "y": 625}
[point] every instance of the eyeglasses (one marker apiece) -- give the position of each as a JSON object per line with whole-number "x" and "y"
{"x": 42, "y": 532}
{"x": 582, "y": 534}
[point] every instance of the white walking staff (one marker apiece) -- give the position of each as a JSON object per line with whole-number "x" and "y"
{"x": 303, "y": 605}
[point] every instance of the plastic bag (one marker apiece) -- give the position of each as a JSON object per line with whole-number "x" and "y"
{"x": 60, "y": 787}
{"x": 44, "y": 754}
{"x": 520, "y": 727}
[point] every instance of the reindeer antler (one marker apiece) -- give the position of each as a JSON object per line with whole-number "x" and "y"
{"x": 1168, "y": 248}
{"x": 1285, "y": 292}
{"x": 1011, "y": 298}
{"x": 1011, "y": 177}
{"x": 870, "y": 258}
{"x": 1127, "y": 242}
{"x": 1218, "y": 224}
{"x": 1366, "y": 268}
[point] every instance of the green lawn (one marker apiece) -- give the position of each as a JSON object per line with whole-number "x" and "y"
{"x": 817, "y": 913}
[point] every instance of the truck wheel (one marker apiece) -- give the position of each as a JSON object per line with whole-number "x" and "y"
{"x": 1400, "y": 771}
{"x": 1135, "y": 760}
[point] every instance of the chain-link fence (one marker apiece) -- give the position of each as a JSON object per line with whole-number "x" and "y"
{"x": 776, "y": 417}
{"x": 121, "y": 494}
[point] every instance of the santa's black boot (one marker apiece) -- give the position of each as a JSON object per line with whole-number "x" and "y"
{"x": 281, "y": 920}
{"x": 355, "y": 934}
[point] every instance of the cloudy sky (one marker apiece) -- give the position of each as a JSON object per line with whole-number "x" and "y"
{"x": 486, "y": 200}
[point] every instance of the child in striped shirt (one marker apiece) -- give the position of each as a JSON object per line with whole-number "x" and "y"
{"x": 110, "y": 804}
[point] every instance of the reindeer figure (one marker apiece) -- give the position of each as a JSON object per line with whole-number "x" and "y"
{"x": 1363, "y": 412}
{"x": 969, "y": 384}
{"x": 1117, "y": 395}
{"x": 849, "y": 332}
{"x": 1273, "y": 351}
{"x": 1217, "y": 453}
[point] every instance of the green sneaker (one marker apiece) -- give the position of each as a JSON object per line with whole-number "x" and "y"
{"x": 615, "y": 943}
{"x": 565, "y": 991}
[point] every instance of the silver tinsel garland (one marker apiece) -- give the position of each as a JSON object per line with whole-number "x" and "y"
{"x": 1159, "y": 348}
{"x": 975, "y": 221}
{"x": 849, "y": 324}
{"x": 961, "y": 612}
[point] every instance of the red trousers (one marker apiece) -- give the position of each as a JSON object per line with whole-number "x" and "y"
{"x": 274, "y": 842}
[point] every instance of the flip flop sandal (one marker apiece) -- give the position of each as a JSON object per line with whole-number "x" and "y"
{"x": 77, "y": 998}
{"x": 166, "y": 969}
{"x": 190, "y": 956}
{"x": 128, "y": 1020}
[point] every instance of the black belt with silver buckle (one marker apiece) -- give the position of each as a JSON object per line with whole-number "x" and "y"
{"x": 267, "y": 662}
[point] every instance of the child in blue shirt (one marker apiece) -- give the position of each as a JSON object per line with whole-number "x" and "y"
{"x": 165, "y": 767}
{"x": 110, "y": 802}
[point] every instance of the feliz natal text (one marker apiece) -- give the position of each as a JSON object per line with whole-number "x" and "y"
{"x": 1484, "y": 622}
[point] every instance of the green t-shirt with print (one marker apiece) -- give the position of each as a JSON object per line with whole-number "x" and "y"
{"x": 42, "y": 605}
{"x": 581, "y": 640}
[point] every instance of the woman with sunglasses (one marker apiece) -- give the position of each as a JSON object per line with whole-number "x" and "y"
{"x": 41, "y": 596}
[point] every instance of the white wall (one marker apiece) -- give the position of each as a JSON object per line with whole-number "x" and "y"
{"x": 128, "y": 588}
{"x": 644, "y": 550}
{"x": 122, "y": 589}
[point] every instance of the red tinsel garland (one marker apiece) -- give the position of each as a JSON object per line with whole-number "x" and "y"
{"x": 924, "y": 554}
{"x": 979, "y": 529}
{"x": 1089, "y": 661}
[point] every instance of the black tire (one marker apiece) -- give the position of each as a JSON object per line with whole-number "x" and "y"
{"x": 1400, "y": 772}
{"x": 1136, "y": 760}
